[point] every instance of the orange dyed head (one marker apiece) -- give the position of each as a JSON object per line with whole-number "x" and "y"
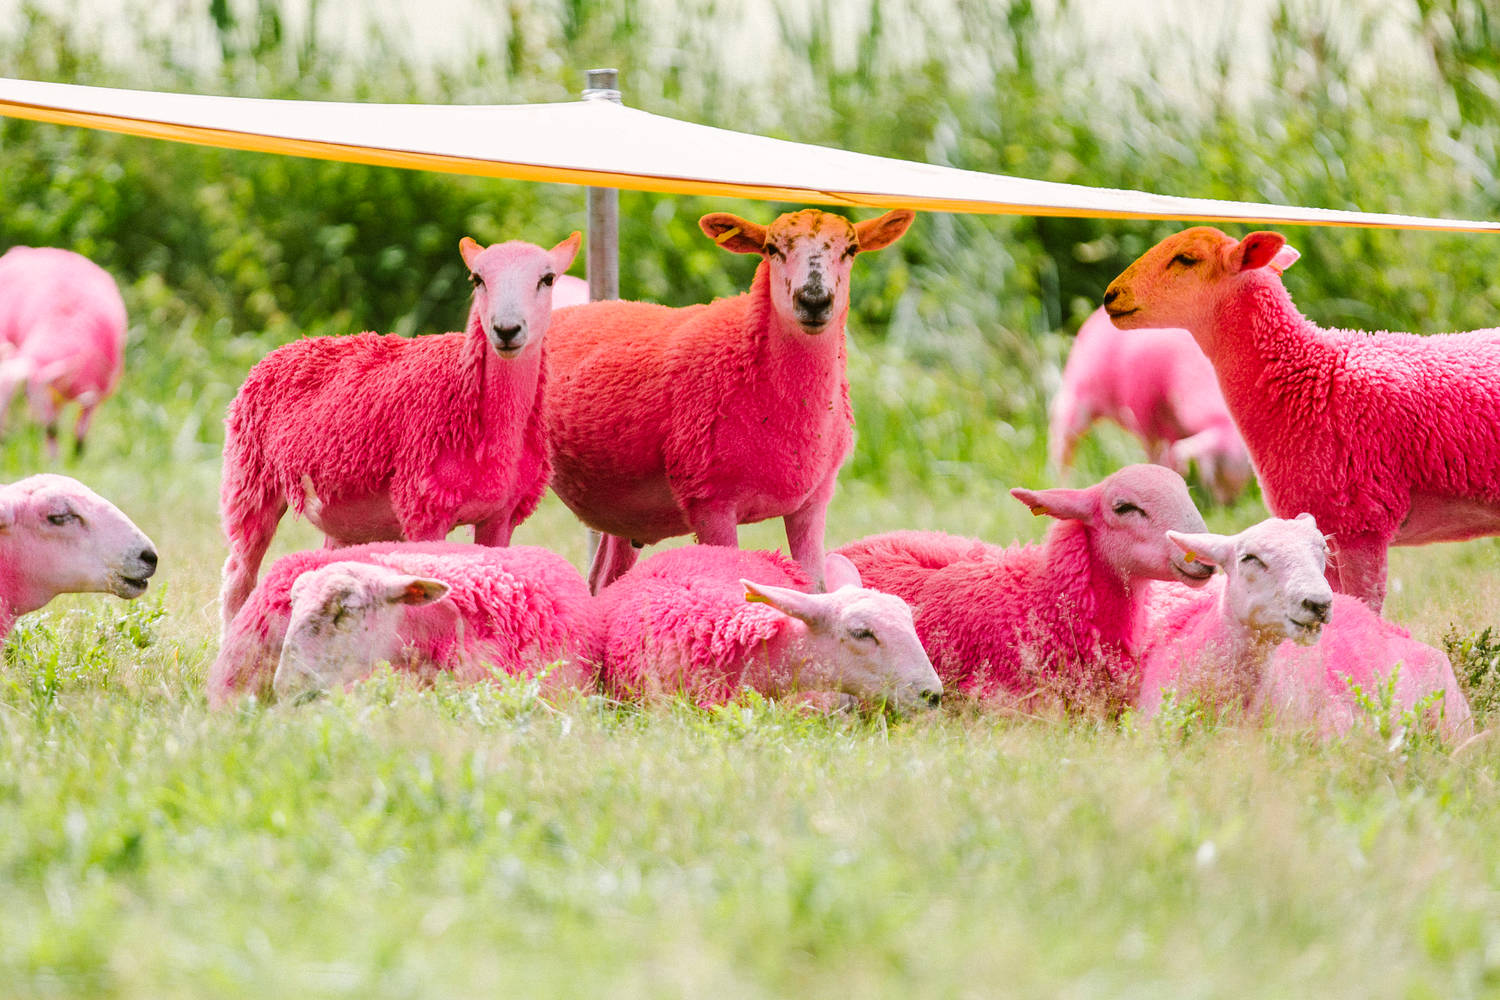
{"x": 810, "y": 254}
{"x": 1179, "y": 282}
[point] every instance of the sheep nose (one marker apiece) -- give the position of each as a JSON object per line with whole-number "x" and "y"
{"x": 814, "y": 302}
{"x": 1319, "y": 609}
{"x": 1110, "y": 296}
{"x": 933, "y": 698}
{"x": 148, "y": 556}
{"x": 507, "y": 333}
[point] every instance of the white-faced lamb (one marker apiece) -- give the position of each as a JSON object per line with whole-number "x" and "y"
{"x": 705, "y": 621}
{"x": 399, "y": 438}
{"x": 696, "y": 420}
{"x": 62, "y": 335}
{"x": 323, "y": 618}
{"x": 1050, "y": 622}
{"x": 1386, "y": 438}
{"x": 57, "y": 536}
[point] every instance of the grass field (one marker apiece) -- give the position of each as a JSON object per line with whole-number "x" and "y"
{"x": 392, "y": 842}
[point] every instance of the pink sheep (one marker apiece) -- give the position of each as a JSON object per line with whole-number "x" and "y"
{"x": 59, "y": 537}
{"x": 569, "y": 291}
{"x": 1387, "y": 438}
{"x": 62, "y": 334}
{"x": 1157, "y": 385}
{"x": 1215, "y": 644}
{"x": 705, "y": 621}
{"x": 1051, "y": 620}
{"x": 324, "y": 617}
{"x": 668, "y": 421}
{"x": 397, "y": 438}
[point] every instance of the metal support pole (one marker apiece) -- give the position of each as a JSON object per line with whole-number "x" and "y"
{"x": 603, "y": 266}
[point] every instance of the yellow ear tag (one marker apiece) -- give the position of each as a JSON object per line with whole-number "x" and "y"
{"x": 1189, "y": 557}
{"x": 727, "y": 234}
{"x": 754, "y": 598}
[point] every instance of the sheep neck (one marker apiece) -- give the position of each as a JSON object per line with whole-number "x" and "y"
{"x": 499, "y": 387}
{"x": 17, "y": 595}
{"x": 790, "y": 660}
{"x": 788, "y": 356}
{"x": 1099, "y": 598}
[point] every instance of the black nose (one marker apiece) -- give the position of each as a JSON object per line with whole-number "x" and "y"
{"x": 1319, "y": 609}
{"x": 507, "y": 333}
{"x": 933, "y": 698}
{"x": 814, "y": 302}
{"x": 1111, "y": 295}
{"x": 148, "y": 556}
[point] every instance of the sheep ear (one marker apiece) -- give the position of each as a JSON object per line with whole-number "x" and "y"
{"x": 414, "y": 590}
{"x": 793, "y": 603}
{"x": 1215, "y": 550}
{"x": 1305, "y": 516}
{"x": 1063, "y": 504}
{"x": 469, "y": 248}
{"x": 877, "y": 234}
{"x": 733, "y": 233}
{"x": 838, "y": 572}
{"x": 1285, "y": 258}
{"x": 1257, "y": 250}
{"x": 7, "y": 514}
{"x": 564, "y": 253}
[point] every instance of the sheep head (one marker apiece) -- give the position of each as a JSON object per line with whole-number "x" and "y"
{"x": 810, "y": 254}
{"x": 1274, "y": 575}
{"x": 1126, "y": 517}
{"x": 513, "y": 289}
{"x": 858, "y": 641}
{"x": 1179, "y": 281}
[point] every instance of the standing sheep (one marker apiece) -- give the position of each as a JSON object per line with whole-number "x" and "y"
{"x": 324, "y": 617}
{"x": 1157, "y": 385}
{"x": 1054, "y": 619}
{"x": 57, "y": 536}
{"x": 396, "y": 438}
{"x": 667, "y": 421}
{"x": 1386, "y": 438}
{"x": 705, "y": 621}
{"x": 62, "y": 334}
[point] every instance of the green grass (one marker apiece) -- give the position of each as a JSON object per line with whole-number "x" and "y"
{"x": 390, "y": 842}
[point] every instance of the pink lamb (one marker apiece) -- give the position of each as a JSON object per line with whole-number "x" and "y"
{"x": 59, "y": 537}
{"x": 704, "y": 621}
{"x": 62, "y": 334}
{"x": 1050, "y": 620}
{"x": 1215, "y": 644}
{"x": 324, "y": 617}
{"x": 1157, "y": 385}
{"x": 1387, "y": 438}
{"x": 669, "y": 421}
{"x": 396, "y": 438}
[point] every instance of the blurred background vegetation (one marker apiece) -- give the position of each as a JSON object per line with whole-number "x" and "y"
{"x": 960, "y": 328}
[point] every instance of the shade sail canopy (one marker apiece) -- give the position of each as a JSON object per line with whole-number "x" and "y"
{"x": 603, "y": 144}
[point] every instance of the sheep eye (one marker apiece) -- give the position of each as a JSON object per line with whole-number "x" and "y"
{"x": 475, "y": 279}
{"x": 547, "y": 280}
{"x": 1186, "y": 260}
{"x": 772, "y": 250}
{"x": 864, "y": 635}
{"x": 851, "y": 250}
{"x": 63, "y": 518}
{"x": 1126, "y": 507}
{"x": 1251, "y": 558}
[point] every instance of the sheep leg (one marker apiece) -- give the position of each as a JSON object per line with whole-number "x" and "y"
{"x": 493, "y": 531}
{"x": 612, "y": 559}
{"x": 804, "y": 535}
{"x": 247, "y": 547}
{"x": 1356, "y": 566}
{"x": 81, "y": 427}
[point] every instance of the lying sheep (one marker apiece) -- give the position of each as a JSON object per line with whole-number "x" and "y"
{"x": 325, "y": 617}
{"x": 57, "y": 536}
{"x": 669, "y": 421}
{"x": 1215, "y": 644}
{"x": 399, "y": 438}
{"x": 1157, "y": 385}
{"x": 704, "y": 621}
{"x": 1386, "y": 438}
{"x": 1052, "y": 620}
{"x": 62, "y": 335}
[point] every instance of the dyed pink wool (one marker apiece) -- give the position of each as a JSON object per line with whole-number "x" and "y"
{"x": 1387, "y": 438}
{"x": 398, "y": 438}
{"x": 668, "y": 421}
{"x": 1158, "y": 385}
{"x": 57, "y": 536}
{"x": 1050, "y": 621}
{"x": 705, "y": 621}
{"x": 516, "y": 609}
{"x": 62, "y": 334}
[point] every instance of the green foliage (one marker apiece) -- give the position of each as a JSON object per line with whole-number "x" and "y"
{"x": 1476, "y": 663}
{"x": 1394, "y": 725}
